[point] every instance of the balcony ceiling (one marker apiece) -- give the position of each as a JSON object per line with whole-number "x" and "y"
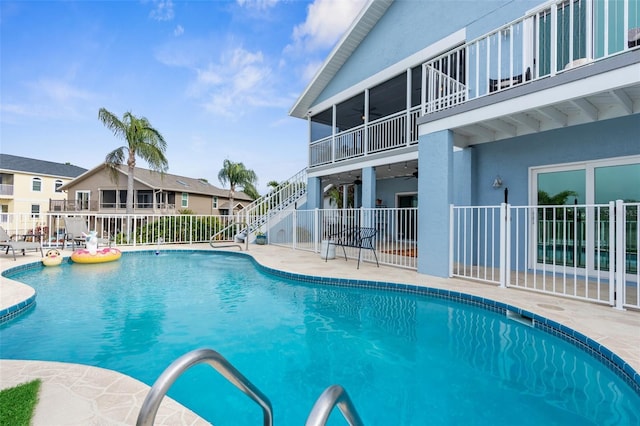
{"x": 561, "y": 101}
{"x": 404, "y": 170}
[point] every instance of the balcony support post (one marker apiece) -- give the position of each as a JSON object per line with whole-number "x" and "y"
{"x": 435, "y": 195}
{"x": 314, "y": 193}
{"x": 369, "y": 187}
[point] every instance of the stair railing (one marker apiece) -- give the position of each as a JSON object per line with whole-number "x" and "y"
{"x": 286, "y": 194}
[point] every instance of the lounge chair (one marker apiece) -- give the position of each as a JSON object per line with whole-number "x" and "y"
{"x": 23, "y": 245}
{"x": 75, "y": 230}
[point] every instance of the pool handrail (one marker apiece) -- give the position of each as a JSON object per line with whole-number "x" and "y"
{"x": 215, "y": 242}
{"x": 332, "y": 396}
{"x": 150, "y": 406}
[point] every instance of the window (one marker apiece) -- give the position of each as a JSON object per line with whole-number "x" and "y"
{"x": 35, "y": 211}
{"x": 185, "y": 199}
{"x": 82, "y": 200}
{"x": 144, "y": 199}
{"x": 4, "y": 210}
{"x": 215, "y": 202}
{"x": 36, "y": 184}
{"x": 57, "y": 185}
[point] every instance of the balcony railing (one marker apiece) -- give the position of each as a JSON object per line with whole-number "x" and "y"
{"x": 6, "y": 189}
{"x": 386, "y": 133}
{"x": 550, "y": 40}
{"x": 553, "y": 39}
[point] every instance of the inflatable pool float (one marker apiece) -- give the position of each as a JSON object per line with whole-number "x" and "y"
{"x": 52, "y": 258}
{"x": 100, "y": 256}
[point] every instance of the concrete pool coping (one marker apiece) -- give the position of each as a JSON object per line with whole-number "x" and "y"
{"x": 73, "y": 394}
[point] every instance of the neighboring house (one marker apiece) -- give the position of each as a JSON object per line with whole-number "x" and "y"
{"x": 478, "y": 96}
{"x": 155, "y": 193}
{"x": 27, "y": 185}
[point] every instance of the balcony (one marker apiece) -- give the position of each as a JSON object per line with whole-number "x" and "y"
{"x": 496, "y": 86}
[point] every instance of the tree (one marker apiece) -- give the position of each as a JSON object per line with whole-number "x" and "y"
{"x": 273, "y": 184}
{"x": 142, "y": 140}
{"x": 235, "y": 174}
{"x": 559, "y": 199}
{"x": 251, "y": 191}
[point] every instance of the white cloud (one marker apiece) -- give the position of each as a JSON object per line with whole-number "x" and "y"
{"x": 178, "y": 31}
{"x": 240, "y": 80}
{"x": 59, "y": 91}
{"x": 310, "y": 70}
{"x": 163, "y": 10}
{"x": 257, "y": 4}
{"x": 48, "y": 98}
{"x": 326, "y": 22}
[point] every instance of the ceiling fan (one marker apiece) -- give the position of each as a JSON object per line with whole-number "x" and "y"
{"x": 413, "y": 175}
{"x": 360, "y": 111}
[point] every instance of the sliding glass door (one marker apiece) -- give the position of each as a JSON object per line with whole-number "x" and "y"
{"x": 572, "y": 226}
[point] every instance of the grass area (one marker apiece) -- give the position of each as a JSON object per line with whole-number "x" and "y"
{"x": 18, "y": 403}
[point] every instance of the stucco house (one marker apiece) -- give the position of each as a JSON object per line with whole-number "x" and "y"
{"x": 95, "y": 191}
{"x": 448, "y": 103}
{"x": 28, "y": 184}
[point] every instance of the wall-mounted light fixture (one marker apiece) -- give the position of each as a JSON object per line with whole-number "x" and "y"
{"x": 497, "y": 182}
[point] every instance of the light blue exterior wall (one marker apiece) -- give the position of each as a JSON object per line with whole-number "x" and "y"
{"x": 511, "y": 158}
{"x": 409, "y": 26}
{"x": 388, "y": 188}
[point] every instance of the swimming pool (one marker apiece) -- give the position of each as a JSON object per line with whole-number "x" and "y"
{"x": 404, "y": 358}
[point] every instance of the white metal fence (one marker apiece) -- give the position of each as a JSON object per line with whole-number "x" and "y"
{"x": 395, "y": 241}
{"x": 587, "y": 252}
{"x": 119, "y": 229}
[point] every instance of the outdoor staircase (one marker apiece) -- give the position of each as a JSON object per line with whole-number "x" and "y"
{"x": 254, "y": 217}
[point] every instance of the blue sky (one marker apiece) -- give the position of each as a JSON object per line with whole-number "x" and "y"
{"x": 216, "y": 78}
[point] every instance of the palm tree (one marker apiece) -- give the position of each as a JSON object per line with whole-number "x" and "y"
{"x": 251, "y": 191}
{"x": 142, "y": 140}
{"x": 235, "y": 174}
{"x": 273, "y": 184}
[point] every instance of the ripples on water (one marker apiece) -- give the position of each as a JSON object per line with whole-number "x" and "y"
{"x": 404, "y": 359}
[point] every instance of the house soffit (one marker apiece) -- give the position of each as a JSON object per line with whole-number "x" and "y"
{"x": 367, "y": 19}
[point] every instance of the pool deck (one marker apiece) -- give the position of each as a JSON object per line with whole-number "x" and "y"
{"x": 73, "y": 394}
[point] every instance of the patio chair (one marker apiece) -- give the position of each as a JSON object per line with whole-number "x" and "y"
{"x": 75, "y": 230}
{"x": 23, "y": 245}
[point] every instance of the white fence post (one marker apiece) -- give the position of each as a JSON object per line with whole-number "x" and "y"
{"x": 504, "y": 243}
{"x": 316, "y": 230}
{"x": 295, "y": 229}
{"x": 620, "y": 249}
{"x": 612, "y": 253}
{"x": 451, "y": 241}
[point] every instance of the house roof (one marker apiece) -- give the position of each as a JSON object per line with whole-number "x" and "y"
{"x": 13, "y": 163}
{"x": 367, "y": 19}
{"x": 165, "y": 181}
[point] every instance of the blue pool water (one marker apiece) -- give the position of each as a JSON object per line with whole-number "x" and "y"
{"x": 404, "y": 359}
